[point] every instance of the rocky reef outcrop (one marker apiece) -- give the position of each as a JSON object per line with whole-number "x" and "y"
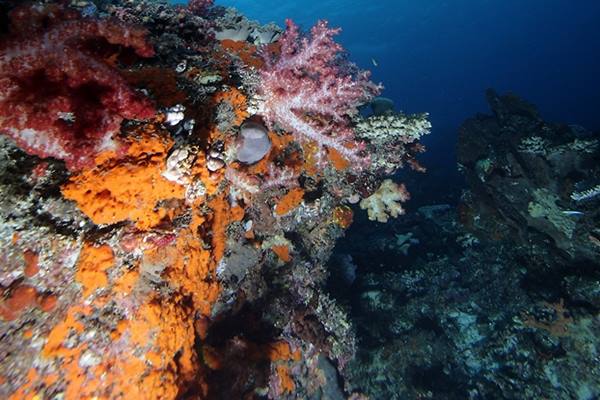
{"x": 535, "y": 183}
{"x": 495, "y": 296}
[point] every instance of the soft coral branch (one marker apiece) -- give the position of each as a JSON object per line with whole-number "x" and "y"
{"x": 56, "y": 98}
{"x": 311, "y": 91}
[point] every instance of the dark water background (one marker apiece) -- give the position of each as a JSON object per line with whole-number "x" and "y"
{"x": 439, "y": 56}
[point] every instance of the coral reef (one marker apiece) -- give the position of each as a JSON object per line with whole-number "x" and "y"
{"x": 530, "y": 187}
{"x": 58, "y": 98}
{"x": 174, "y": 181}
{"x": 496, "y": 296}
{"x": 166, "y": 211}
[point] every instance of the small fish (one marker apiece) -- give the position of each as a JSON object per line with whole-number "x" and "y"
{"x": 571, "y": 213}
{"x": 374, "y": 62}
{"x": 89, "y": 10}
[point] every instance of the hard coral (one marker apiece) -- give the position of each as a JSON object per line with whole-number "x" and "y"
{"x": 58, "y": 99}
{"x": 398, "y": 134}
{"x": 310, "y": 91}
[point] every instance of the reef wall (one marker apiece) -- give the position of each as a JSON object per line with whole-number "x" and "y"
{"x": 173, "y": 180}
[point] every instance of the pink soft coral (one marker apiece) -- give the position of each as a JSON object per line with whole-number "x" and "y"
{"x": 57, "y": 99}
{"x": 311, "y": 91}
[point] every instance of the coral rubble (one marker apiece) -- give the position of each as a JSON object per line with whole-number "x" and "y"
{"x": 173, "y": 181}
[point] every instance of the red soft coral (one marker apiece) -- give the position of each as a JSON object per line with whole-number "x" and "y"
{"x": 311, "y": 91}
{"x": 56, "y": 98}
{"x": 199, "y": 7}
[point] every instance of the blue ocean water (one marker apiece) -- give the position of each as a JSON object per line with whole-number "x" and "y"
{"x": 439, "y": 56}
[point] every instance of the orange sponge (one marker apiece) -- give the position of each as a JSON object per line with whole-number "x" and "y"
{"x": 130, "y": 189}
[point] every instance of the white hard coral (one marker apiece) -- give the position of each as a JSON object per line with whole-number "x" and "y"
{"x": 392, "y": 138}
{"x": 385, "y": 202}
{"x": 393, "y": 127}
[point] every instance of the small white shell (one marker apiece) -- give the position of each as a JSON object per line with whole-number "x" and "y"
{"x": 214, "y": 164}
{"x": 182, "y": 66}
{"x": 175, "y": 115}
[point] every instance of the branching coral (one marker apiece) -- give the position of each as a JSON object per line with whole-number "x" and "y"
{"x": 57, "y": 98}
{"x": 310, "y": 91}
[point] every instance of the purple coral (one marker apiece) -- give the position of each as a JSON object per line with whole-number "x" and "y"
{"x": 311, "y": 91}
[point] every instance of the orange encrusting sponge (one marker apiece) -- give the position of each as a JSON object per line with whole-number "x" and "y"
{"x": 128, "y": 189}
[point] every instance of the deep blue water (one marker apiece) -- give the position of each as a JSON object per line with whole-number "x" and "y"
{"x": 440, "y": 55}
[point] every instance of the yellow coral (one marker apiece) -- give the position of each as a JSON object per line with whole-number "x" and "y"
{"x": 385, "y": 201}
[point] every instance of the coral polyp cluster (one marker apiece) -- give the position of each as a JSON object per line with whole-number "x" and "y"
{"x": 171, "y": 191}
